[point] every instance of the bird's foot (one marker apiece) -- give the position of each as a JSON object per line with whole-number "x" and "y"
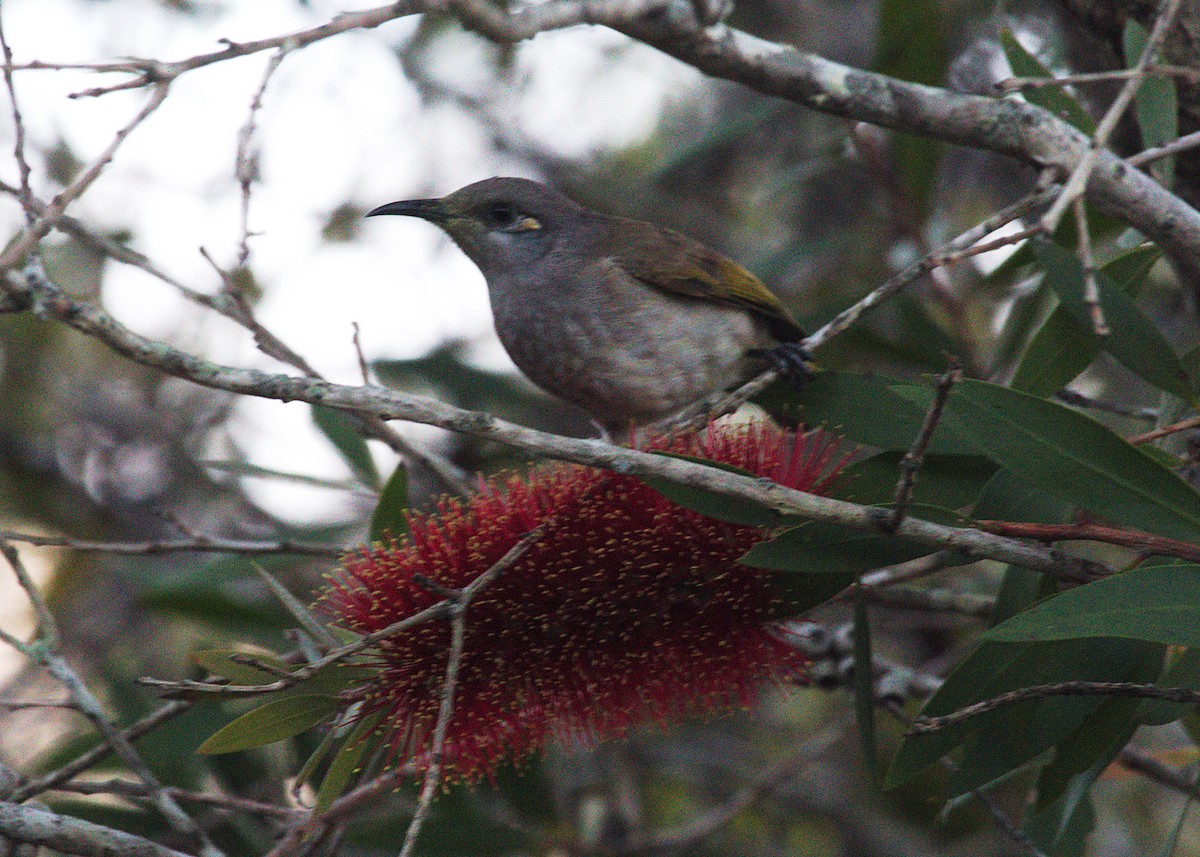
{"x": 791, "y": 359}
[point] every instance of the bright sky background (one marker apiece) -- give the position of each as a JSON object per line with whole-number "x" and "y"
{"x": 339, "y": 123}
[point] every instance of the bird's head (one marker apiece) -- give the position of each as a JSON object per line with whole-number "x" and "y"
{"x": 500, "y": 223}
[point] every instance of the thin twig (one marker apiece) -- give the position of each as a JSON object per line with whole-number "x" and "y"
{"x": 1079, "y": 400}
{"x": 904, "y": 572}
{"x": 1183, "y": 144}
{"x": 1126, "y": 690}
{"x": 246, "y": 163}
{"x": 25, "y": 195}
{"x": 1078, "y": 181}
{"x": 97, "y": 754}
{"x": 37, "y": 230}
{"x": 130, "y": 788}
{"x": 433, "y": 774}
{"x": 915, "y": 457}
{"x": 1146, "y": 543}
{"x": 986, "y": 246}
{"x": 1174, "y": 428}
{"x": 1012, "y": 84}
{"x": 1091, "y": 279}
{"x": 199, "y": 544}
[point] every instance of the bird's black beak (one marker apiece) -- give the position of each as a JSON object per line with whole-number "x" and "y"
{"x": 433, "y": 210}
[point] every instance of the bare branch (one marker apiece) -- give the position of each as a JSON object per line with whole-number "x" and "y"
{"x": 915, "y": 457}
{"x": 199, "y": 544}
{"x": 37, "y": 230}
{"x": 69, "y": 835}
{"x": 49, "y": 301}
{"x": 1082, "y": 172}
{"x": 1012, "y": 84}
{"x": 1126, "y": 690}
{"x": 25, "y": 194}
{"x": 97, "y": 754}
{"x": 1144, "y": 542}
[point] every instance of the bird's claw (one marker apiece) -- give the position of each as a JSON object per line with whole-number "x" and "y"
{"x": 792, "y": 359}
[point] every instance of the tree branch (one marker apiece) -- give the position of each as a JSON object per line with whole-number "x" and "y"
{"x": 50, "y": 302}
{"x": 70, "y": 835}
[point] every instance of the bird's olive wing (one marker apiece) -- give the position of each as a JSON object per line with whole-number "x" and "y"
{"x": 673, "y": 262}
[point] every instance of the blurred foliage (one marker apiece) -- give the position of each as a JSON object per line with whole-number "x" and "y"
{"x": 95, "y": 447}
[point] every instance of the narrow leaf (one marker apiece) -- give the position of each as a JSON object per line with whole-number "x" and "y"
{"x": 1064, "y": 346}
{"x": 1053, "y": 98}
{"x": 1159, "y": 604}
{"x": 950, "y": 481}
{"x": 1070, "y": 455}
{"x": 300, "y": 612}
{"x": 346, "y": 762}
{"x": 1156, "y": 104}
{"x": 339, "y": 430}
{"x": 388, "y": 517}
{"x": 912, "y": 46}
{"x": 1134, "y": 340}
{"x": 864, "y": 687}
{"x": 274, "y": 721}
{"x": 221, "y": 663}
{"x": 874, "y": 410}
{"x": 818, "y": 548}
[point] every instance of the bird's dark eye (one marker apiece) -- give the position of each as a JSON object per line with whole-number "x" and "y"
{"x": 502, "y": 214}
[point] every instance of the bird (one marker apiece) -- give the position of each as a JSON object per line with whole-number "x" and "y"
{"x": 627, "y": 320}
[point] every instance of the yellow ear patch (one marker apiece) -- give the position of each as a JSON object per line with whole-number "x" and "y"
{"x": 528, "y": 224}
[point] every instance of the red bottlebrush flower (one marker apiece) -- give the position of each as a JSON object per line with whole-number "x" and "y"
{"x": 628, "y": 608}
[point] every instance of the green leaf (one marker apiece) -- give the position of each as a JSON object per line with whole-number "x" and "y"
{"x": 1081, "y": 757}
{"x": 950, "y": 481}
{"x": 1063, "y": 346}
{"x": 864, "y": 688}
{"x": 1156, "y": 103}
{"x": 388, "y": 517}
{"x": 796, "y": 594}
{"x": 712, "y": 504}
{"x": 1159, "y": 604}
{"x": 911, "y": 45}
{"x": 299, "y": 611}
{"x": 1004, "y": 739}
{"x": 220, "y": 662}
{"x": 1052, "y": 98}
{"x": 1063, "y": 830}
{"x": 1182, "y": 671}
{"x": 1070, "y": 455}
{"x": 1008, "y": 497}
{"x": 874, "y": 410}
{"x": 1058, "y": 352}
{"x": 339, "y": 429}
{"x": 274, "y": 721}
{"x": 1134, "y": 340}
{"x": 819, "y": 548}
{"x": 346, "y": 762}
{"x": 332, "y": 679}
